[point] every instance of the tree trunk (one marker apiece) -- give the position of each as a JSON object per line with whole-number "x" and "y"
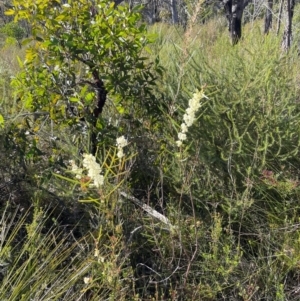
{"x": 117, "y": 2}
{"x": 279, "y": 17}
{"x": 174, "y": 12}
{"x": 268, "y": 16}
{"x": 101, "y": 94}
{"x": 287, "y": 35}
{"x": 228, "y": 12}
{"x": 236, "y": 23}
{"x": 234, "y": 12}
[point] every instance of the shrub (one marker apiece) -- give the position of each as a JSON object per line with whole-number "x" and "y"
{"x": 13, "y": 30}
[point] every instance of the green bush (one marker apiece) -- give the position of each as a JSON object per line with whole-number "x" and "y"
{"x": 13, "y": 30}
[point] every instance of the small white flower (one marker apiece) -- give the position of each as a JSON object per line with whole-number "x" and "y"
{"x": 190, "y": 111}
{"x": 87, "y": 280}
{"x": 181, "y": 136}
{"x": 184, "y": 128}
{"x": 89, "y": 162}
{"x": 98, "y": 180}
{"x": 120, "y": 153}
{"x": 121, "y": 142}
{"x": 178, "y": 143}
{"x": 188, "y": 119}
{"x": 93, "y": 170}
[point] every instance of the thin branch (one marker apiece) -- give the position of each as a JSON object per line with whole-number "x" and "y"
{"x": 148, "y": 209}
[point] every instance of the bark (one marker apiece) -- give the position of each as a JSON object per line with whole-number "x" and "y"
{"x": 174, "y": 12}
{"x": 101, "y": 94}
{"x": 154, "y": 16}
{"x": 183, "y": 16}
{"x": 279, "y": 17}
{"x": 117, "y": 2}
{"x": 268, "y": 16}
{"x": 287, "y": 35}
{"x": 234, "y": 12}
{"x": 228, "y": 12}
{"x": 236, "y": 22}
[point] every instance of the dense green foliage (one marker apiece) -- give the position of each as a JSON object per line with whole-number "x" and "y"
{"x": 193, "y": 193}
{"x": 80, "y": 52}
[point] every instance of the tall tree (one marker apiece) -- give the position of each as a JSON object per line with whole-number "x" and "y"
{"x": 174, "y": 12}
{"x": 287, "y": 34}
{"x": 268, "y": 16}
{"x": 234, "y": 12}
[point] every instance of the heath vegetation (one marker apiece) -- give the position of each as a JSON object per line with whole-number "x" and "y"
{"x": 148, "y": 161}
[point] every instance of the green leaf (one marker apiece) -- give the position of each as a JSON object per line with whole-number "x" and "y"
{"x": 10, "y": 12}
{"x": 74, "y": 99}
{"x": 121, "y": 109}
{"x": 26, "y": 41}
{"x": 40, "y": 39}
{"x": 89, "y": 97}
{"x": 1, "y": 121}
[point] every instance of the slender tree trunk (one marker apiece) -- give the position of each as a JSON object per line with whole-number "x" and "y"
{"x": 101, "y": 94}
{"x": 268, "y": 16}
{"x": 182, "y": 13}
{"x": 279, "y": 17}
{"x": 174, "y": 12}
{"x": 287, "y": 35}
{"x": 228, "y": 12}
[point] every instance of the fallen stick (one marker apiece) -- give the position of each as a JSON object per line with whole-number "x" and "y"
{"x": 148, "y": 209}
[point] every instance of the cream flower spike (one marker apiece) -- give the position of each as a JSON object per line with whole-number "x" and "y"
{"x": 190, "y": 116}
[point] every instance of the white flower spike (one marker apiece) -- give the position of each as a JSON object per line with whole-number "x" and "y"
{"x": 190, "y": 116}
